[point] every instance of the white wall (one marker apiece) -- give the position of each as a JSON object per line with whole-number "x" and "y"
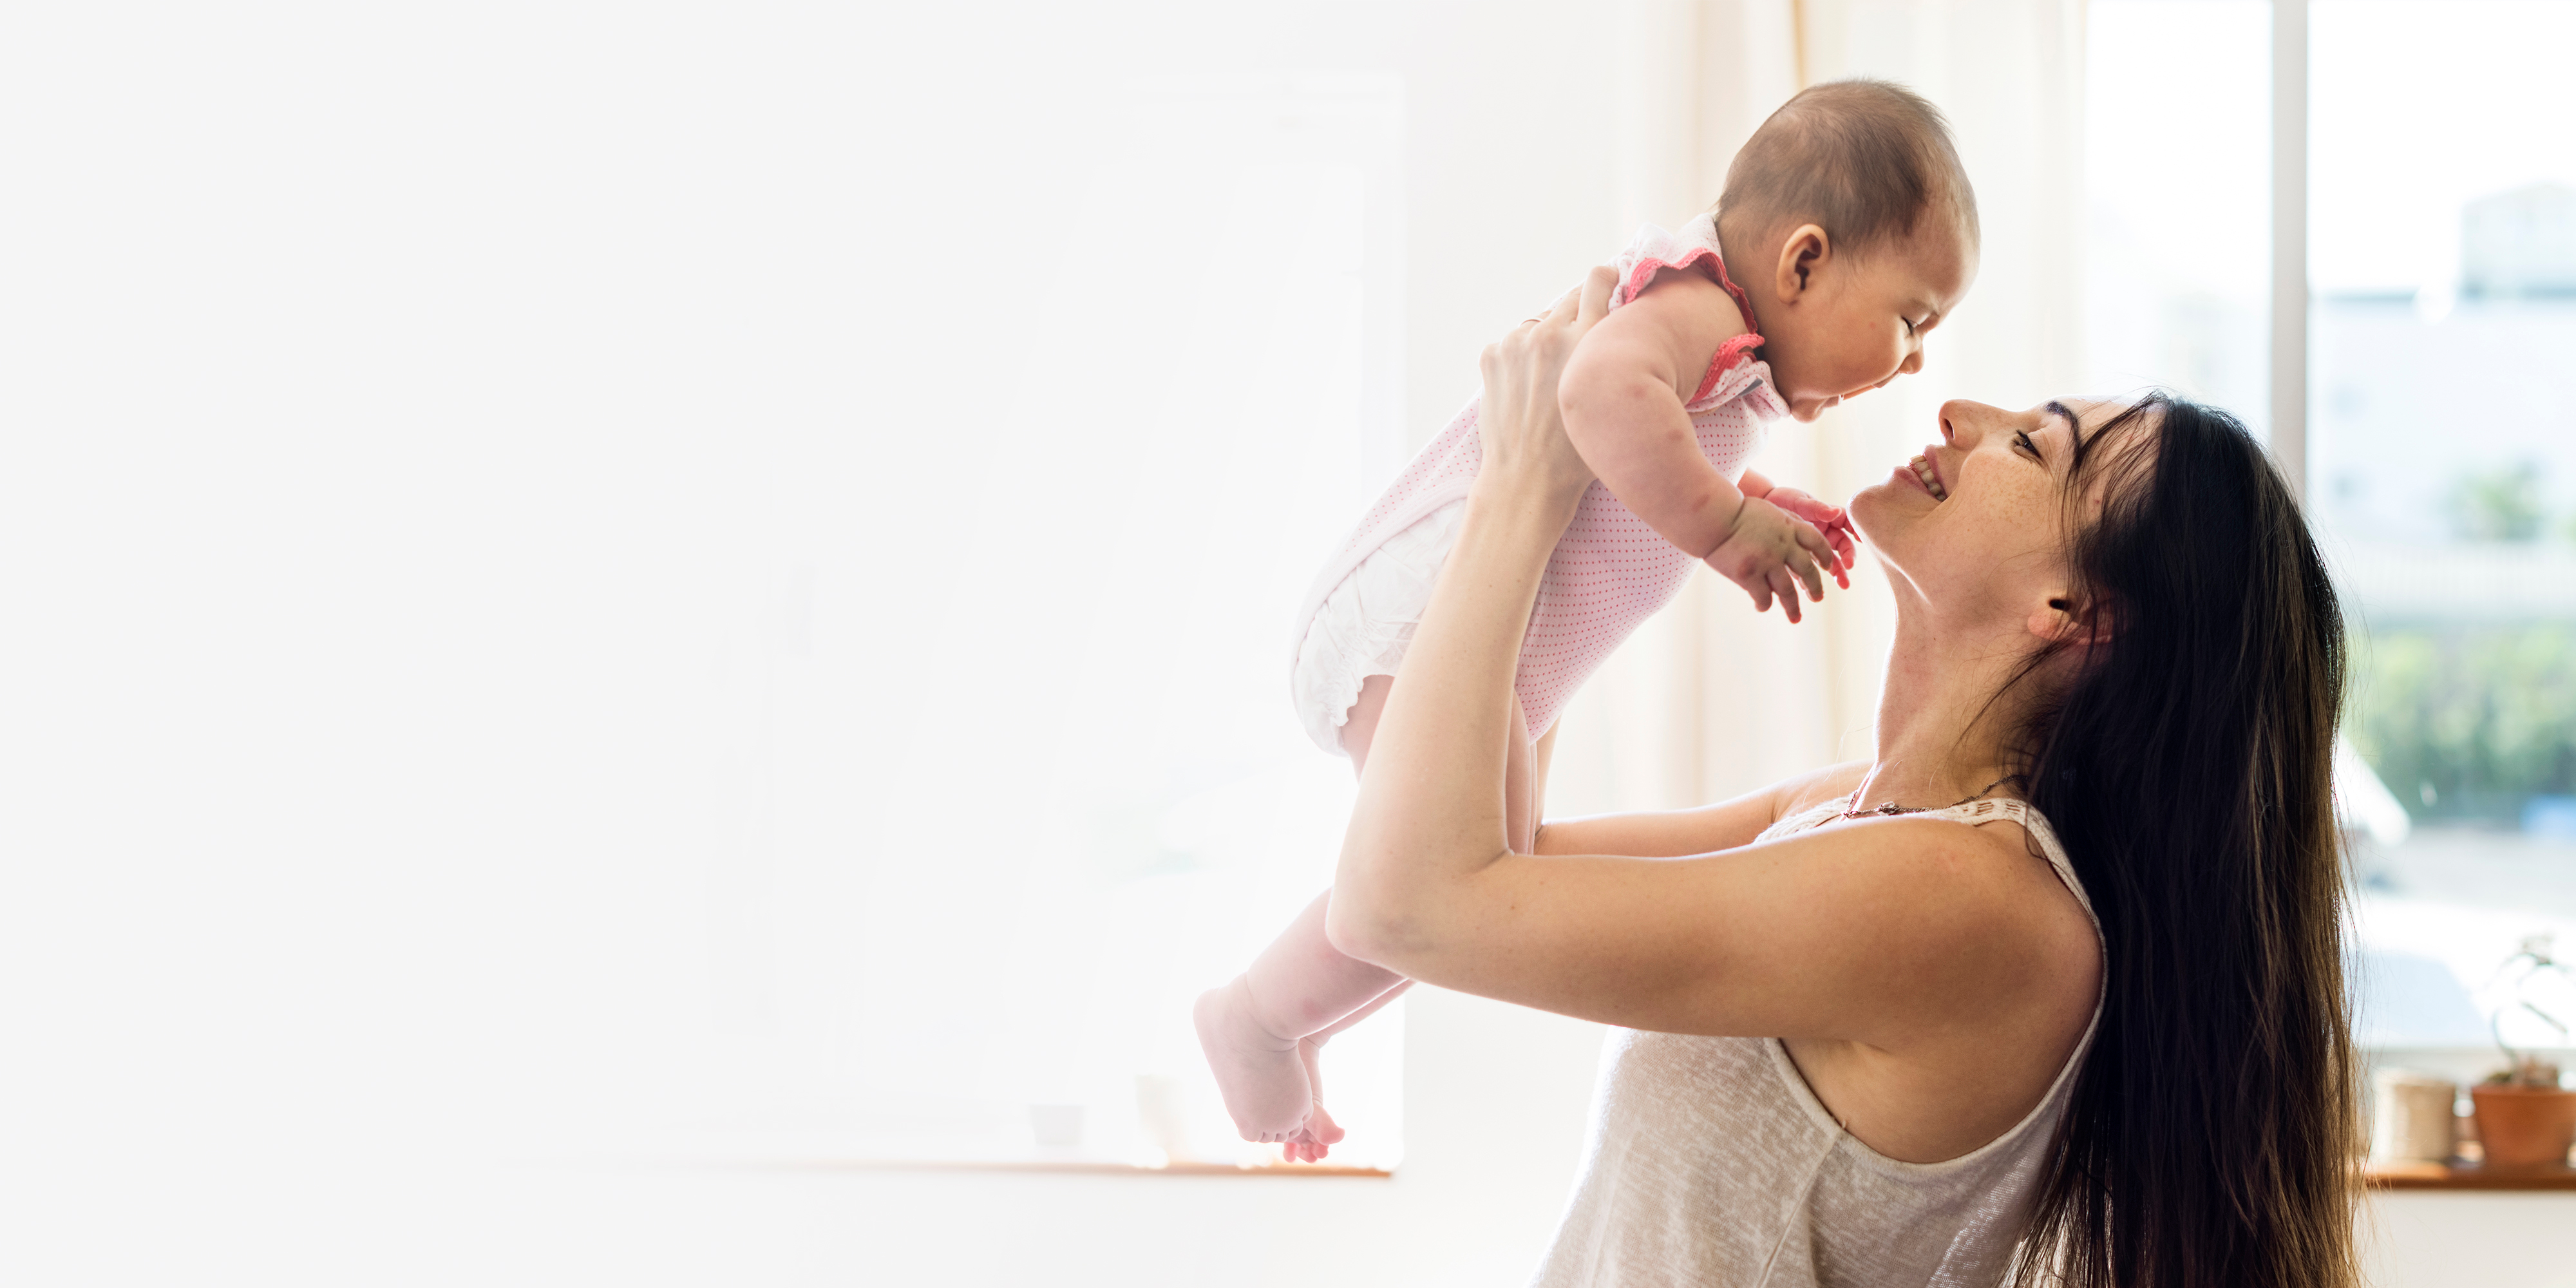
{"x": 363, "y": 377}
{"x": 2416, "y": 1239}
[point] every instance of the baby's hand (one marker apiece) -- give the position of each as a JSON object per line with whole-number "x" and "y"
{"x": 1828, "y": 519}
{"x": 1769, "y": 552}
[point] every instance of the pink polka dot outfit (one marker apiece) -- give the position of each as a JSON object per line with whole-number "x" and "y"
{"x": 1609, "y": 573}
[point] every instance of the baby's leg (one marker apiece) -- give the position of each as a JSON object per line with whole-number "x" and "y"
{"x": 1542, "y": 753}
{"x": 1525, "y": 790}
{"x": 1520, "y": 808}
{"x": 1297, "y": 988}
{"x": 1301, "y": 987}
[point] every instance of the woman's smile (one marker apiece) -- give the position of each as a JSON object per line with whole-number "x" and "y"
{"x": 1926, "y": 473}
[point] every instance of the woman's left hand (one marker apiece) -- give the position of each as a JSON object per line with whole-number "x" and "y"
{"x": 1521, "y": 426}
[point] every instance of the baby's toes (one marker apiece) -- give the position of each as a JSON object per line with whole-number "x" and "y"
{"x": 1321, "y": 1128}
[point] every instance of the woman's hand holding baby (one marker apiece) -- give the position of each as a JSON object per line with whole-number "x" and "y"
{"x": 1521, "y": 426}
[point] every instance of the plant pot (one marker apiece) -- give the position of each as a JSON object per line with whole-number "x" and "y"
{"x": 2525, "y": 1126}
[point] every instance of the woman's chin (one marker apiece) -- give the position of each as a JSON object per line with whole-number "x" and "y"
{"x": 1872, "y": 507}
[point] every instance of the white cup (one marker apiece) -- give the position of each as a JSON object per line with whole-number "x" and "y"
{"x": 2414, "y": 1118}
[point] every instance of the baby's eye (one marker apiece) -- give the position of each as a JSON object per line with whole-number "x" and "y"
{"x": 1909, "y": 325}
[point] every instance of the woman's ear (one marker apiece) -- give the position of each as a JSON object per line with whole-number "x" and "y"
{"x": 2062, "y": 621}
{"x": 1801, "y": 255}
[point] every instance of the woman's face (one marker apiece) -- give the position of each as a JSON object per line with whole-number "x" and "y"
{"x": 1976, "y": 524}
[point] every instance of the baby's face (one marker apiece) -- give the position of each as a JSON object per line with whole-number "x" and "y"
{"x": 1857, "y": 324}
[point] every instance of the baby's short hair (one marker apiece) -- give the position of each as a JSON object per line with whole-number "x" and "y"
{"x": 1863, "y": 159}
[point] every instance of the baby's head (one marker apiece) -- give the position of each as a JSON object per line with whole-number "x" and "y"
{"x": 1850, "y": 223}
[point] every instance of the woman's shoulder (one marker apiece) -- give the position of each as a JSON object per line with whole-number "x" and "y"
{"x": 2007, "y": 852}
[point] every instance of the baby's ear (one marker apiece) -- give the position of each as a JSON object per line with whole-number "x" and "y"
{"x": 1806, "y": 250}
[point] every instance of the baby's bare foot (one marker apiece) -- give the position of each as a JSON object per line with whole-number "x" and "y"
{"x": 1315, "y": 1140}
{"x": 1265, "y": 1087}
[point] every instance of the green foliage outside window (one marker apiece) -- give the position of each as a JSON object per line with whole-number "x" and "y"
{"x": 2499, "y": 505}
{"x": 2468, "y": 722}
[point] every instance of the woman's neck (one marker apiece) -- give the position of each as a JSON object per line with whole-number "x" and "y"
{"x": 1940, "y": 724}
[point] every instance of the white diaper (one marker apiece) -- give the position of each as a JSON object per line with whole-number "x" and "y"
{"x": 1367, "y": 622}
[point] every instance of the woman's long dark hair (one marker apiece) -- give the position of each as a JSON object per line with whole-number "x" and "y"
{"x": 2185, "y": 764}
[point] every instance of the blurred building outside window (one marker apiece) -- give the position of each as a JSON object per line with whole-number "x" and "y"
{"x": 2442, "y": 475}
{"x": 2440, "y": 437}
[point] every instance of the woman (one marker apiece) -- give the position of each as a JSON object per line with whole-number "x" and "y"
{"x": 2086, "y": 1022}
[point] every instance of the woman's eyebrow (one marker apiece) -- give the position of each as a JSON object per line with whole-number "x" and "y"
{"x": 2074, "y": 439}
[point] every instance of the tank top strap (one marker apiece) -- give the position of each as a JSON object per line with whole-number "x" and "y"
{"x": 1978, "y": 813}
{"x": 1805, "y": 819}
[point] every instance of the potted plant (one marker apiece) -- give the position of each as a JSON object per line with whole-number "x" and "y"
{"x": 2525, "y": 1119}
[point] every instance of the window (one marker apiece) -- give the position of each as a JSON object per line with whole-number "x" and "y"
{"x": 2442, "y": 475}
{"x": 2438, "y": 441}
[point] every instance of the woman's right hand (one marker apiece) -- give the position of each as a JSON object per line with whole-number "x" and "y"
{"x": 1521, "y": 427}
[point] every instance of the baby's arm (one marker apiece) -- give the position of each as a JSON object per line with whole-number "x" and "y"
{"x": 1829, "y": 519}
{"x": 1623, "y": 392}
{"x": 1623, "y": 395}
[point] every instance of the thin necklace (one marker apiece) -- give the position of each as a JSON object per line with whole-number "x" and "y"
{"x": 1892, "y": 809}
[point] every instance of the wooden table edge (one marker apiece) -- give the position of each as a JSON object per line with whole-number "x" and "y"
{"x": 2457, "y": 1175}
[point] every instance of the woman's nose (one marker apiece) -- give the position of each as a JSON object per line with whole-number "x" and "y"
{"x": 1962, "y": 418}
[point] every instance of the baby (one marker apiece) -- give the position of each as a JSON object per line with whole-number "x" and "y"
{"x": 1847, "y": 229}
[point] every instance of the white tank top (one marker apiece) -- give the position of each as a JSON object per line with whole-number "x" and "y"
{"x": 1710, "y": 1162}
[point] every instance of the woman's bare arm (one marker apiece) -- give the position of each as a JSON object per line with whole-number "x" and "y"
{"x": 1702, "y": 829}
{"x": 1875, "y": 932}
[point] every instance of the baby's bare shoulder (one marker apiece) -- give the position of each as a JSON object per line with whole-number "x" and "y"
{"x": 1692, "y": 296}
{"x": 1672, "y": 328}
